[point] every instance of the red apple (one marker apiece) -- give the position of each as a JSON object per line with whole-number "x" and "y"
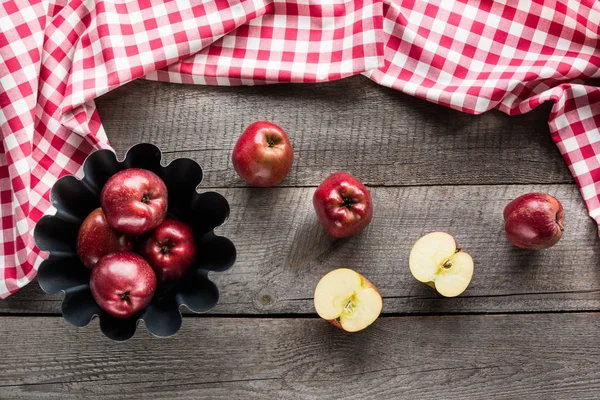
{"x": 134, "y": 201}
{"x": 263, "y": 154}
{"x": 122, "y": 284}
{"x": 534, "y": 221}
{"x": 96, "y": 239}
{"x": 170, "y": 249}
{"x": 343, "y": 205}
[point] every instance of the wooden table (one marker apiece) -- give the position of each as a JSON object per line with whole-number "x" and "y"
{"x": 527, "y": 327}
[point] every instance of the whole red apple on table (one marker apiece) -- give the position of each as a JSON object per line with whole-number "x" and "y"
{"x": 96, "y": 239}
{"x": 534, "y": 221}
{"x": 170, "y": 249}
{"x": 122, "y": 284}
{"x": 263, "y": 155}
{"x": 343, "y": 205}
{"x": 134, "y": 200}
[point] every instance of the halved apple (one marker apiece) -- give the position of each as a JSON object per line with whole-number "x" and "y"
{"x": 436, "y": 260}
{"x": 348, "y": 300}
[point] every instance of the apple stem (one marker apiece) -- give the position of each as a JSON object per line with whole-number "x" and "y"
{"x": 347, "y": 202}
{"x": 125, "y": 296}
{"x": 145, "y": 198}
{"x": 562, "y": 227}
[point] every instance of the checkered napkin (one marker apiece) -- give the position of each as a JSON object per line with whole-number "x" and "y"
{"x": 57, "y": 56}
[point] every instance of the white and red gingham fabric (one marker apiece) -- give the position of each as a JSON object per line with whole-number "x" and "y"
{"x": 57, "y": 56}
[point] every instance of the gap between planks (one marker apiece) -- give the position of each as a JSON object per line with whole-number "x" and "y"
{"x": 315, "y": 316}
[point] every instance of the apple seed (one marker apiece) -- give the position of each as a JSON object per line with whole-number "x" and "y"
{"x": 350, "y": 305}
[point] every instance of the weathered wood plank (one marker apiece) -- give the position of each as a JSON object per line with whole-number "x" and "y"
{"x": 543, "y": 356}
{"x": 385, "y": 137}
{"x": 283, "y": 252}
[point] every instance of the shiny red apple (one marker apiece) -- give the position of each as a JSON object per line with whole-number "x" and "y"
{"x": 134, "y": 201}
{"x": 343, "y": 205}
{"x": 534, "y": 221}
{"x": 263, "y": 155}
{"x": 96, "y": 239}
{"x": 170, "y": 249}
{"x": 122, "y": 284}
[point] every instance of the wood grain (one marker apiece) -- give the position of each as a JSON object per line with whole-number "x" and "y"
{"x": 430, "y": 168}
{"x": 544, "y": 356}
{"x": 283, "y": 252}
{"x": 381, "y": 136}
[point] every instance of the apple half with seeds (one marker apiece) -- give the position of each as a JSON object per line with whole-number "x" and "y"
{"x": 439, "y": 262}
{"x": 347, "y": 300}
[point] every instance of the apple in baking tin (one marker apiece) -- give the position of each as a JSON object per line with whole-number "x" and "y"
{"x": 134, "y": 200}
{"x": 122, "y": 284}
{"x": 96, "y": 239}
{"x": 170, "y": 249}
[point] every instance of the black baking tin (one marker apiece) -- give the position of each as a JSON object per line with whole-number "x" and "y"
{"x": 74, "y": 199}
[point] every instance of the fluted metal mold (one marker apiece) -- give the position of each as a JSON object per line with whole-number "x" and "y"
{"x": 74, "y": 199}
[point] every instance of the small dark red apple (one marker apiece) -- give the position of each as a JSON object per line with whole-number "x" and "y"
{"x": 170, "y": 249}
{"x": 263, "y": 155}
{"x": 96, "y": 239}
{"x": 122, "y": 284}
{"x": 534, "y": 221}
{"x": 134, "y": 201}
{"x": 343, "y": 205}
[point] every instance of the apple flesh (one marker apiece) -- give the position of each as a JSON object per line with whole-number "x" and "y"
{"x": 437, "y": 261}
{"x": 347, "y": 300}
{"x": 343, "y": 205}
{"x": 134, "y": 201}
{"x": 263, "y": 155}
{"x": 534, "y": 221}
{"x": 122, "y": 284}
{"x": 96, "y": 239}
{"x": 170, "y": 249}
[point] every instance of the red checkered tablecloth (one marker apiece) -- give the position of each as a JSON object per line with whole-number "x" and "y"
{"x": 57, "y": 56}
